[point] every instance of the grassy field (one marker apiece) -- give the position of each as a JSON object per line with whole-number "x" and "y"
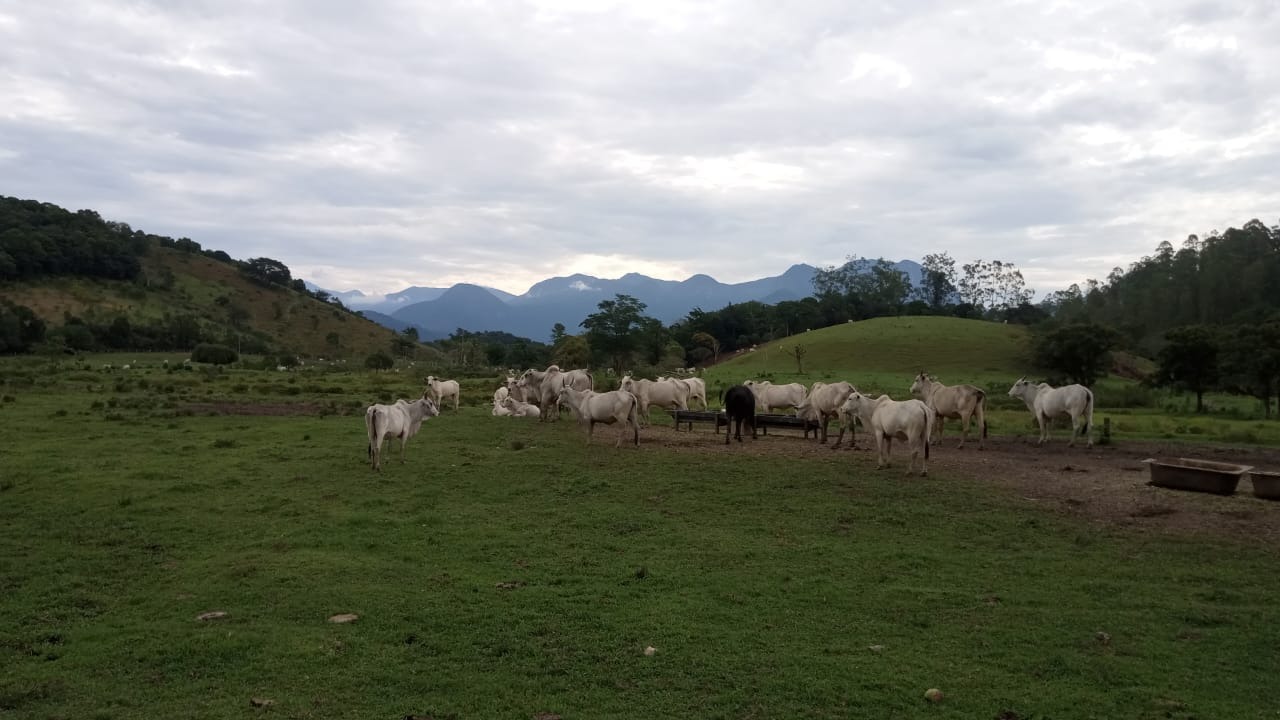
{"x": 507, "y": 570}
{"x": 883, "y": 355}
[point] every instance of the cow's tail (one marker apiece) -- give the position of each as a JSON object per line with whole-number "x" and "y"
{"x": 371, "y": 423}
{"x": 928, "y": 430}
{"x": 1088, "y": 414}
{"x": 634, "y": 416}
{"x": 982, "y": 411}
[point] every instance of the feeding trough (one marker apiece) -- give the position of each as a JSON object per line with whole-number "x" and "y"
{"x": 1266, "y": 485}
{"x": 1218, "y": 478}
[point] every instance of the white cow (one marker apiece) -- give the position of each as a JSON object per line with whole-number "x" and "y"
{"x": 616, "y": 406}
{"x": 953, "y": 401}
{"x": 515, "y": 390}
{"x": 440, "y": 390}
{"x": 663, "y": 393}
{"x": 770, "y": 396}
{"x": 511, "y": 406}
{"x": 823, "y": 404}
{"x": 1047, "y": 402}
{"x": 502, "y": 393}
{"x": 400, "y": 419}
{"x": 909, "y": 420}
{"x": 695, "y": 389}
{"x": 543, "y": 387}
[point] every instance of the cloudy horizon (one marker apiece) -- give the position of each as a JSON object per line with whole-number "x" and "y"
{"x": 500, "y": 143}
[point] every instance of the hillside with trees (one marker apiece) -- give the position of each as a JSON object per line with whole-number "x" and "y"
{"x": 73, "y": 282}
{"x": 1208, "y": 312}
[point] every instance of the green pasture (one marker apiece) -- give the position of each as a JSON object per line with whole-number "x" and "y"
{"x": 509, "y": 570}
{"x": 884, "y": 354}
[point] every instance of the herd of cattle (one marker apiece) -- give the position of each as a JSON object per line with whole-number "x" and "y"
{"x": 918, "y": 421}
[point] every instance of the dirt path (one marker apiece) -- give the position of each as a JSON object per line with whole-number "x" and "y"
{"x": 1104, "y": 484}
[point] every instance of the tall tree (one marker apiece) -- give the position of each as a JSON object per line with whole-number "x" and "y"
{"x": 613, "y": 331}
{"x": 1080, "y": 351}
{"x": 267, "y": 270}
{"x": 1189, "y": 360}
{"x": 937, "y": 280}
{"x": 710, "y": 342}
{"x": 994, "y": 285}
{"x": 1250, "y": 358}
{"x": 573, "y": 351}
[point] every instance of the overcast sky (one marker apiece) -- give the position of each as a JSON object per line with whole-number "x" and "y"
{"x": 384, "y": 144}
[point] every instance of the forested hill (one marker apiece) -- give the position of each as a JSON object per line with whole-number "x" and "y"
{"x": 73, "y": 280}
{"x": 1227, "y": 278}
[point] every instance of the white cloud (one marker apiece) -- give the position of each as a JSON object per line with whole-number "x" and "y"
{"x": 388, "y": 144}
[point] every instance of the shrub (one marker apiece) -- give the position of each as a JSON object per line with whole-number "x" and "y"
{"x": 379, "y": 361}
{"x": 214, "y": 354}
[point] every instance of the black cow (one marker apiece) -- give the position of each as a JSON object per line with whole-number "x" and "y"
{"x": 739, "y": 405}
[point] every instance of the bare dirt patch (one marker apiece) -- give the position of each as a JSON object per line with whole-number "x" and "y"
{"x": 1106, "y": 485}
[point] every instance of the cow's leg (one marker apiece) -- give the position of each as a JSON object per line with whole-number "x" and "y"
{"x": 1044, "y": 429}
{"x": 1075, "y": 428}
{"x": 591, "y": 427}
{"x": 964, "y": 429}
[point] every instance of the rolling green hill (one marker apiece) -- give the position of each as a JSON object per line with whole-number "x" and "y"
{"x": 883, "y": 354}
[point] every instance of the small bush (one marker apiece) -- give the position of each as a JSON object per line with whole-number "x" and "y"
{"x": 10, "y": 398}
{"x": 1240, "y": 436}
{"x": 214, "y": 354}
{"x": 379, "y": 361}
{"x": 224, "y": 443}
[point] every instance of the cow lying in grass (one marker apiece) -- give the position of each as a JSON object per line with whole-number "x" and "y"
{"x": 616, "y": 406}
{"x": 909, "y": 420}
{"x": 512, "y": 406}
{"x": 399, "y": 420}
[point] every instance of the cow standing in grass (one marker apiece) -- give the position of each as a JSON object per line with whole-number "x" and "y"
{"x": 1047, "y": 402}
{"x": 953, "y": 401}
{"x": 886, "y": 418}
{"x": 399, "y": 420}
{"x": 669, "y": 394}
{"x": 739, "y": 407}
{"x": 695, "y": 389}
{"x": 823, "y": 405}
{"x": 615, "y": 406}
{"x": 769, "y": 396}
{"x": 441, "y": 390}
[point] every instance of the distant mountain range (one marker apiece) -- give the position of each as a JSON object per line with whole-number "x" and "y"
{"x": 438, "y": 312}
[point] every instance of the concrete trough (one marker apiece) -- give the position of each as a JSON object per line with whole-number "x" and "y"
{"x": 1206, "y": 476}
{"x": 1266, "y": 485}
